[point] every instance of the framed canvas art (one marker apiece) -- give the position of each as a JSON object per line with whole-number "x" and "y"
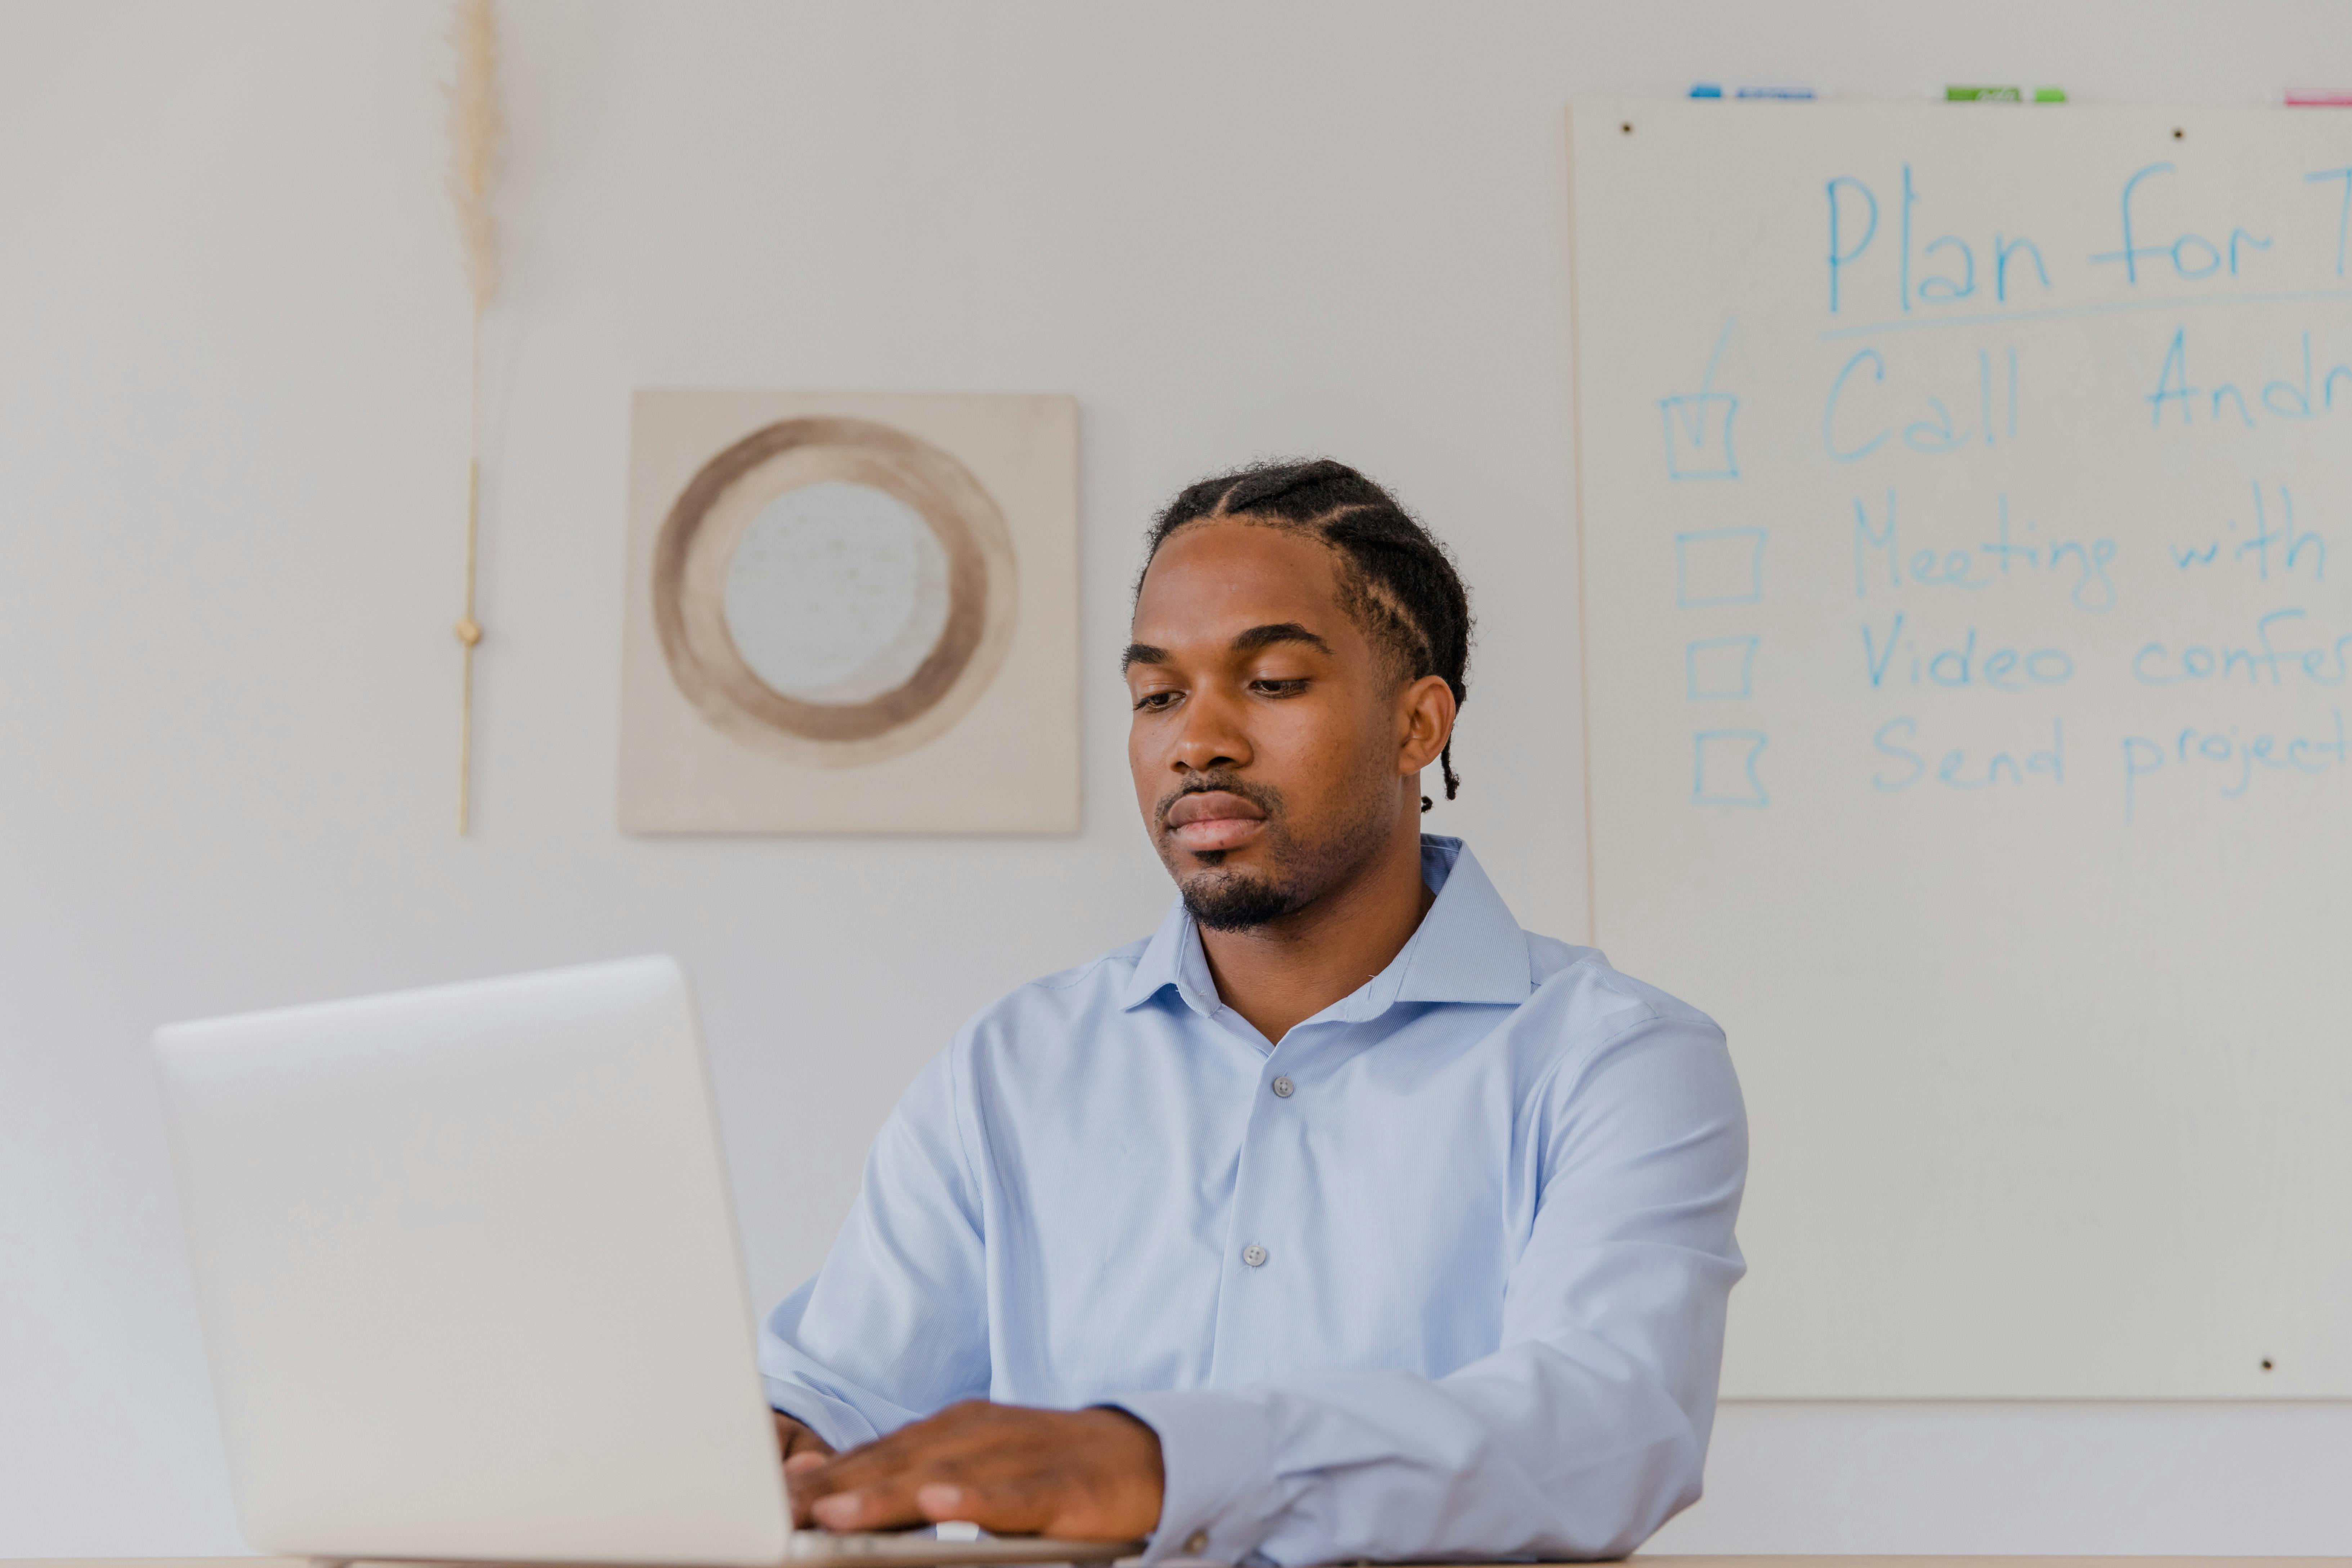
{"x": 851, "y": 613}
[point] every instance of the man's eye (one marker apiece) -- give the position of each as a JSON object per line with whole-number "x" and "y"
{"x": 1279, "y": 687}
{"x": 1152, "y": 701}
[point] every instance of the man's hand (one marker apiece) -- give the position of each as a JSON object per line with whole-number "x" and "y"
{"x": 795, "y": 1439}
{"x": 1081, "y": 1475}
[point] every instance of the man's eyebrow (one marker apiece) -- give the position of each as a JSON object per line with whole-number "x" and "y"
{"x": 1258, "y": 638}
{"x": 1250, "y": 641}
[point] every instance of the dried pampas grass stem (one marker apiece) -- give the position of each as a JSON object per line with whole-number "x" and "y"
{"x": 477, "y": 127}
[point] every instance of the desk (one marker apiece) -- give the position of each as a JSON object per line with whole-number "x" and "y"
{"x": 1641, "y": 1562}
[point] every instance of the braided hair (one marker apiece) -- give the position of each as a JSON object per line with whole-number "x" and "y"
{"x": 1395, "y": 579}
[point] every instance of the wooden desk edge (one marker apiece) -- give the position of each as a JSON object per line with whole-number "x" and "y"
{"x": 1822, "y": 1561}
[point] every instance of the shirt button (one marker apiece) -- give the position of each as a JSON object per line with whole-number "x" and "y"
{"x": 1284, "y": 1088}
{"x": 1254, "y": 1255}
{"x": 1196, "y": 1544}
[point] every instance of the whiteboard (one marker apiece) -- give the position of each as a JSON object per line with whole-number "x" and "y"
{"x": 1966, "y": 517}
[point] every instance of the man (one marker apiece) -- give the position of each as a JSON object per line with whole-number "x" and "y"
{"x": 1342, "y": 1218}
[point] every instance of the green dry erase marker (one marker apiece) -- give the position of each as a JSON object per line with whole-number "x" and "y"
{"x": 2004, "y": 95}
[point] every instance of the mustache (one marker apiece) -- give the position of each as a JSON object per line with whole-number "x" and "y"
{"x": 1266, "y": 799}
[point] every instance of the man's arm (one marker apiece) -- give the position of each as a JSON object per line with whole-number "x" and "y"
{"x": 896, "y": 1325}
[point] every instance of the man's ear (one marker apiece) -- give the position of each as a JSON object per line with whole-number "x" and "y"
{"x": 1425, "y": 710}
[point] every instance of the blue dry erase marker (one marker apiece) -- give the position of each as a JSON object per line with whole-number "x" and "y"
{"x": 1789, "y": 92}
{"x": 1716, "y": 89}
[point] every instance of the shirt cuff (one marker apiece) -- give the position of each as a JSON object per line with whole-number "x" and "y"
{"x": 1216, "y": 1453}
{"x": 840, "y": 1423}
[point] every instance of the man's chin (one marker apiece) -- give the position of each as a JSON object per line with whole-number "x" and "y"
{"x": 1225, "y": 899}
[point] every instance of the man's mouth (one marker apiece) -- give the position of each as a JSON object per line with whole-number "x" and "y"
{"x": 1210, "y": 820}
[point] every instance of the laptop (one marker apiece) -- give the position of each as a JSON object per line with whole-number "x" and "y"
{"x": 471, "y": 1288}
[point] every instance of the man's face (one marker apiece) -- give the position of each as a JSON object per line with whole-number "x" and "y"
{"x": 1267, "y": 730}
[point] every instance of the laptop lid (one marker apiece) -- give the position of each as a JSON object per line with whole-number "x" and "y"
{"x": 469, "y": 1276}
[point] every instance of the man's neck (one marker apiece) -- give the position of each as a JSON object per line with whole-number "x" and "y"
{"x": 1281, "y": 973}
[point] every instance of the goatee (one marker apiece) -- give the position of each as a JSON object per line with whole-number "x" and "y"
{"x": 1237, "y": 903}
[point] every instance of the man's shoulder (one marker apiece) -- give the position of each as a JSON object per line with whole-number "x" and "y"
{"x": 1588, "y": 995}
{"x": 1113, "y": 969}
{"x": 1097, "y": 985}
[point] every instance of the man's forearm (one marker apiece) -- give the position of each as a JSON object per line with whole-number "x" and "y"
{"x": 1527, "y": 1454}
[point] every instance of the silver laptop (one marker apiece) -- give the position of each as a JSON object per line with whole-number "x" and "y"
{"x": 470, "y": 1286}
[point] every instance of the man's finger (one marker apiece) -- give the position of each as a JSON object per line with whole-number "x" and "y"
{"x": 878, "y": 1487}
{"x": 1006, "y": 1507}
{"x": 875, "y": 1465}
{"x": 795, "y": 1438}
{"x": 925, "y": 1450}
{"x": 886, "y": 1507}
{"x": 809, "y": 1476}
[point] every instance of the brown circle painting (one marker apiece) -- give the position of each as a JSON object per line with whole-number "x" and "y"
{"x": 834, "y": 588}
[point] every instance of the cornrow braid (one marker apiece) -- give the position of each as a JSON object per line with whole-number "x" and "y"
{"x": 1395, "y": 578}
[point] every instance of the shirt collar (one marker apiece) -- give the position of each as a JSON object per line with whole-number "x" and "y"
{"x": 1173, "y": 957}
{"x": 1469, "y": 948}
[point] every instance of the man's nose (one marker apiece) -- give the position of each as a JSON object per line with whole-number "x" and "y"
{"x": 1212, "y": 737}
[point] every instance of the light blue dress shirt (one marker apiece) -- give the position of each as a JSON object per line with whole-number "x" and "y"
{"x": 1441, "y": 1274}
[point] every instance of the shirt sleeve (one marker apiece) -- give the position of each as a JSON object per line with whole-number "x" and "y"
{"x": 895, "y": 1324}
{"x": 1586, "y": 1430}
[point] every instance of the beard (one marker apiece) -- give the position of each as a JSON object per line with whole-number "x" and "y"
{"x": 1237, "y": 901}
{"x": 1219, "y": 898}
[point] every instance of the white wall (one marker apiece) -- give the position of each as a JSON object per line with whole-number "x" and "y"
{"x": 232, "y": 364}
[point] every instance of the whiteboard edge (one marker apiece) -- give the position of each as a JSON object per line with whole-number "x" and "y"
{"x": 1583, "y": 588}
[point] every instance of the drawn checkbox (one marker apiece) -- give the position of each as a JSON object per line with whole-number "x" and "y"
{"x": 1719, "y": 566}
{"x": 1698, "y": 436}
{"x": 1724, "y": 770}
{"x": 1699, "y": 425}
{"x": 1720, "y": 669}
